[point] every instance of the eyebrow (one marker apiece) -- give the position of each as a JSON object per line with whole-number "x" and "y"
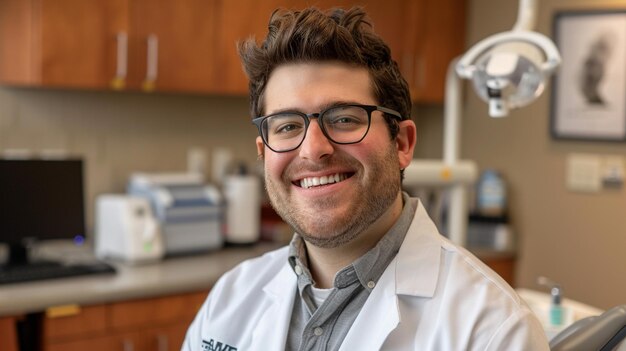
{"x": 324, "y": 107}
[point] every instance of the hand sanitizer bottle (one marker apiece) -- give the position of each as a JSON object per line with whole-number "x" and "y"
{"x": 556, "y": 310}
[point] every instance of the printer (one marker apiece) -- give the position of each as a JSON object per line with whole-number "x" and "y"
{"x": 189, "y": 212}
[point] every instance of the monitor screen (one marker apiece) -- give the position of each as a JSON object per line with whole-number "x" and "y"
{"x": 40, "y": 200}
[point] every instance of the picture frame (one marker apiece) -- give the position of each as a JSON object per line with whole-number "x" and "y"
{"x": 589, "y": 88}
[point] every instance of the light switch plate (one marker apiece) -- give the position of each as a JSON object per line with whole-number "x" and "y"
{"x": 584, "y": 173}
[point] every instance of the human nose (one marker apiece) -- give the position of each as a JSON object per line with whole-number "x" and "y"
{"x": 315, "y": 145}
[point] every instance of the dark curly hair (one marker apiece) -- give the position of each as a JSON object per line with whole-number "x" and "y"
{"x": 311, "y": 35}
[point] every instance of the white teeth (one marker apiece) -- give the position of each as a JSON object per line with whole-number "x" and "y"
{"x": 315, "y": 181}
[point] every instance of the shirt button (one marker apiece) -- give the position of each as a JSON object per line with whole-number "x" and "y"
{"x": 318, "y": 331}
{"x": 371, "y": 284}
{"x": 298, "y": 270}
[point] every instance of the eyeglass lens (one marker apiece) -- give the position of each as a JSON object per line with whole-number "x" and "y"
{"x": 343, "y": 125}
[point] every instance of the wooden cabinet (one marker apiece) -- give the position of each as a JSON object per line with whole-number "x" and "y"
{"x": 8, "y": 334}
{"x": 438, "y": 37}
{"x": 237, "y": 21}
{"x": 114, "y": 44}
{"x": 171, "y": 45}
{"x": 190, "y": 45}
{"x": 60, "y": 43}
{"x": 424, "y": 37}
{"x": 140, "y": 325}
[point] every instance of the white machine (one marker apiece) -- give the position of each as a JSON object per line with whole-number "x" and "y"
{"x": 126, "y": 230}
{"x": 189, "y": 212}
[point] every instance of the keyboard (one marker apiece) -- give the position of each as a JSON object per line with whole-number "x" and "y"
{"x": 51, "y": 270}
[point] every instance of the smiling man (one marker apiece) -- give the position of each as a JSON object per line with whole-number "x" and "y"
{"x": 366, "y": 268}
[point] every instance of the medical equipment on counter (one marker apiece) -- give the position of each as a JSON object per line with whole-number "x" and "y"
{"x": 507, "y": 73}
{"x": 126, "y": 230}
{"x": 242, "y": 192}
{"x": 189, "y": 211}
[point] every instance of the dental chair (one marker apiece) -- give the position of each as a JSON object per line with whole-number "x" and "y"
{"x": 603, "y": 333}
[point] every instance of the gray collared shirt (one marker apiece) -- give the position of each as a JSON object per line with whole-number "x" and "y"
{"x": 324, "y": 327}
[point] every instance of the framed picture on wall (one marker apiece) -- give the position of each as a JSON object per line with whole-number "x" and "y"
{"x": 589, "y": 89}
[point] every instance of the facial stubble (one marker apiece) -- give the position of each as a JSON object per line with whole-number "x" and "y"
{"x": 375, "y": 192}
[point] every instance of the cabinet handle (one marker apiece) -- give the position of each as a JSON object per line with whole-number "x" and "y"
{"x": 152, "y": 62}
{"x": 127, "y": 345}
{"x": 119, "y": 81}
{"x": 162, "y": 342}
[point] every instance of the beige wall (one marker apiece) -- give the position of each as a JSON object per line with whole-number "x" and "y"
{"x": 118, "y": 133}
{"x": 574, "y": 238}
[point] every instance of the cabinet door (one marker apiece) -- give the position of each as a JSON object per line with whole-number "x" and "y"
{"x": 76, "y": 40}
{"x": 85, "y": 321}
{"x": 423, "y": 35}
{"x": 237, "y": 21}
{"x": 119, "y": 342}
{"x": 390, "y": 19}
{"x": 181, "y": 57}
{"x": 8, "y": 334}
{"x": 169, "y": 338}
{"x": 439, "y": 37}
{"x": 60, "y": 43}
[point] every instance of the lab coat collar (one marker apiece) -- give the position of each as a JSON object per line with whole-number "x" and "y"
{"x": 414, "y": 271}
{"x": 271, "y": 331}
{"x": 418, "y": 261}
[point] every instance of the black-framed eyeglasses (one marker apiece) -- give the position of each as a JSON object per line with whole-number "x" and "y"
{"x": 342, "y": 124}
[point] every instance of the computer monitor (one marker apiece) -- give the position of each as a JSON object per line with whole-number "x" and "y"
{"x": 40, "y": 200}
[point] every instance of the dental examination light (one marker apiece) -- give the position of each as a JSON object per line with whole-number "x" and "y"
{"x": 508, "y": 70}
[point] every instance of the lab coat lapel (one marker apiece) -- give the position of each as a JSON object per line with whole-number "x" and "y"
{"x": 413, "y": 272}
{"x": 419, "y": 258}
{"x": 378, "y": 317}
{"x": 271, "y": 330}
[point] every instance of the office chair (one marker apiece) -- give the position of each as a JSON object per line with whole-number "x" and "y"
{"x": 604, "y": 333}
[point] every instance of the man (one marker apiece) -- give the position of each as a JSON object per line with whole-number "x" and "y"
{"x": 366, "y": 269}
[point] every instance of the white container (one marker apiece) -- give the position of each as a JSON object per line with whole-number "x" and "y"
{"x": 242, "y": 193}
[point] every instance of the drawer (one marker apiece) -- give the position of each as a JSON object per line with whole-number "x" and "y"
{"x": 8, "y": 334}
{"x": 74, "y": 321}
{"x": 155, "y": 311}
{"x": 119, "y": 342}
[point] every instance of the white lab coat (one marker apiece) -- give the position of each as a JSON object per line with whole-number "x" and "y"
{"x": 432, "y": 296}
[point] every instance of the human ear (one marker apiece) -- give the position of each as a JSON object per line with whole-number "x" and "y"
{"x": 405, "y": 142}
{"x": 260, "y": 148}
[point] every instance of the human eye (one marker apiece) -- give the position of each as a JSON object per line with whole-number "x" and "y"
{"x": 345, "y": 117}
{"x": 285, "y": 126}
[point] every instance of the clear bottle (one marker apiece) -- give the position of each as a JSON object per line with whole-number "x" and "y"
{"x": 491, "y": 194}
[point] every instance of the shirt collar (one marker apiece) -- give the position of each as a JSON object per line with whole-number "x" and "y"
{"x": 370, "y": 266}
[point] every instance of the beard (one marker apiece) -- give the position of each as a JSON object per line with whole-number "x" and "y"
{"x": 318, "y": 221}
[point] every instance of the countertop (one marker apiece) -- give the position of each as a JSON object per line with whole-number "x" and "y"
{"x": 169, "y": 276}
